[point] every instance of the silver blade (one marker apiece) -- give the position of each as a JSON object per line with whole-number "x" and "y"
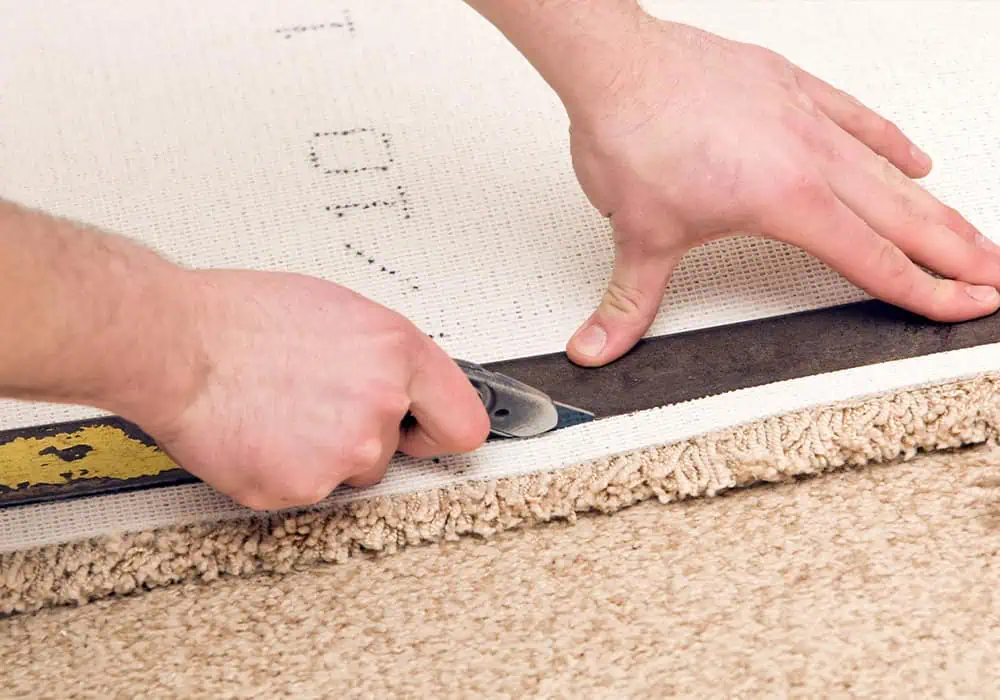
{"x": 516, "y": 409}
{"x": 570, "y": 416}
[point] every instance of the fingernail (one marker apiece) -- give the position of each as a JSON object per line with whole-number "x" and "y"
{"x": 591, "y": 340}
{"x": 922, "y": 158}
{"x": 983, "y": 294}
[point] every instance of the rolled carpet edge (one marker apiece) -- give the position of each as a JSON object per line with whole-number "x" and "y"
{"x": 805, "y": 443}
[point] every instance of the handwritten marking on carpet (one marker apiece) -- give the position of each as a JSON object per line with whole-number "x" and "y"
{"x": 345, "y": 23}
{"x": 362, "y": 159}
{"x": 355, "y": 152}
{"x": 371, "y": 260}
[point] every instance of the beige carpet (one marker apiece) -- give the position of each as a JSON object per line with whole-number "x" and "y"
{"x": 877, "y": 582}
{"x": 815, "y": 441}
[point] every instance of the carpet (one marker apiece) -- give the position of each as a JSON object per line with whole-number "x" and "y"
{"x": 254, "y": 134}
{"x": 781, "y": 448}
{"x": 260, "y": 135}
{"x": 874, "y": 582}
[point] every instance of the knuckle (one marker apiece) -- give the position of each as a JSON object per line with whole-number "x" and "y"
{"x": 366, "y": 479}
{"x": 890, "y": 173}
{"x": 949, "y": 216}
{"x": 307, "y": 492}
{"x": 775, "y": 61}
{"x": 806, "y": 103}
{"x": 853, "y": 119}
{"x": 803, "y": 189}
{"x": 798, "y": 117}
{"x": 387, "y": 402}
{"x": 816, "y": 141}
{"x": 873, "y": 126}
{"x": 891, "y": 260}
{"x": 851, "y": 99}
{"x": 904, "y": 210}
{"x": 953, "y": 220}
{"x": 887, "y": 130}
{"x": 319, "y": 493}
{"x": 868, "y": 125}
{"x": 366, "y": 453}
{"x": 894, "y": 267}
{"x": 395, "y": 335}
{"x": 622, "y": 299}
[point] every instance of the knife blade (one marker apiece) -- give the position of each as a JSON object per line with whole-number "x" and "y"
{"x": 518, "y": 410}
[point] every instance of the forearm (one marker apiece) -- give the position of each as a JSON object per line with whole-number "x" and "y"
{"x": 87, "y": 317}
{"x": 577, "y": 46}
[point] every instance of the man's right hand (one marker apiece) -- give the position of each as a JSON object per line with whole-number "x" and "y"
{"x": 300, "y": 385}
{"x": 274, "y": 388}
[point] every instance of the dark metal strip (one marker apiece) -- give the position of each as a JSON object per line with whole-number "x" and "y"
{"x": 671, "y": 369}
{"x": 658, "y": 372}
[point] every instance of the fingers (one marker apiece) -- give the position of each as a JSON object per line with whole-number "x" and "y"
{"x": 900, "y": 210}
{"x": 879, "y": 134}
{"x": 628, "y": 308}
{"x": 355, "y": 451}
{"x": 827, "y": 228}
{"x": 450, "y": 416}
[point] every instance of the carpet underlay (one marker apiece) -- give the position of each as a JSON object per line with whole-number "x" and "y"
{"x": 878, "y": 582}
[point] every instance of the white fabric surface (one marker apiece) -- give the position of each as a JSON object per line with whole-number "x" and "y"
{"x": 220, "y": 133}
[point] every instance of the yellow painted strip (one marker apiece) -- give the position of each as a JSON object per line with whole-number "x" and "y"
{"x": 113, "y": 454}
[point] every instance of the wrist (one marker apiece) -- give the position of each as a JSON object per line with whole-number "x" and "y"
{"x": 584, "y": 50}
{"x": 161, "y": 365}
{"x": 95, "y": 318}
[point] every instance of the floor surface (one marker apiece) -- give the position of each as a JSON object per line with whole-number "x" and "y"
{"x": 879, "y": 582}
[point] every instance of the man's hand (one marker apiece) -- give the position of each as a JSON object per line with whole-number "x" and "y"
{"x": 681, "y": 137}
{"x": 305, "y": 386}
{"x": 702, "y": 138}
{"x": 273, "y": 388}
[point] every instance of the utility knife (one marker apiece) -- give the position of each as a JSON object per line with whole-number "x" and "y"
{"x": 518, "y": 410}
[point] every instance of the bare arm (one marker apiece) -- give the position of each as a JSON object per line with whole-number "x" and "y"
{"x": 569, "y": 42}
{"x": 91, "y": 318}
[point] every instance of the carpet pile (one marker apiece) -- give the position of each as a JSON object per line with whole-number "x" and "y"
{"x": 877, "y": 582}
{"x": 823, "y": 439}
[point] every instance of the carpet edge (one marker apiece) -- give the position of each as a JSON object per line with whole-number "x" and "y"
{"x": 808, "y": 442}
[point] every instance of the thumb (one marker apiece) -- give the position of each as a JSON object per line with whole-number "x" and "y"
{"x": 628, "y": 308}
